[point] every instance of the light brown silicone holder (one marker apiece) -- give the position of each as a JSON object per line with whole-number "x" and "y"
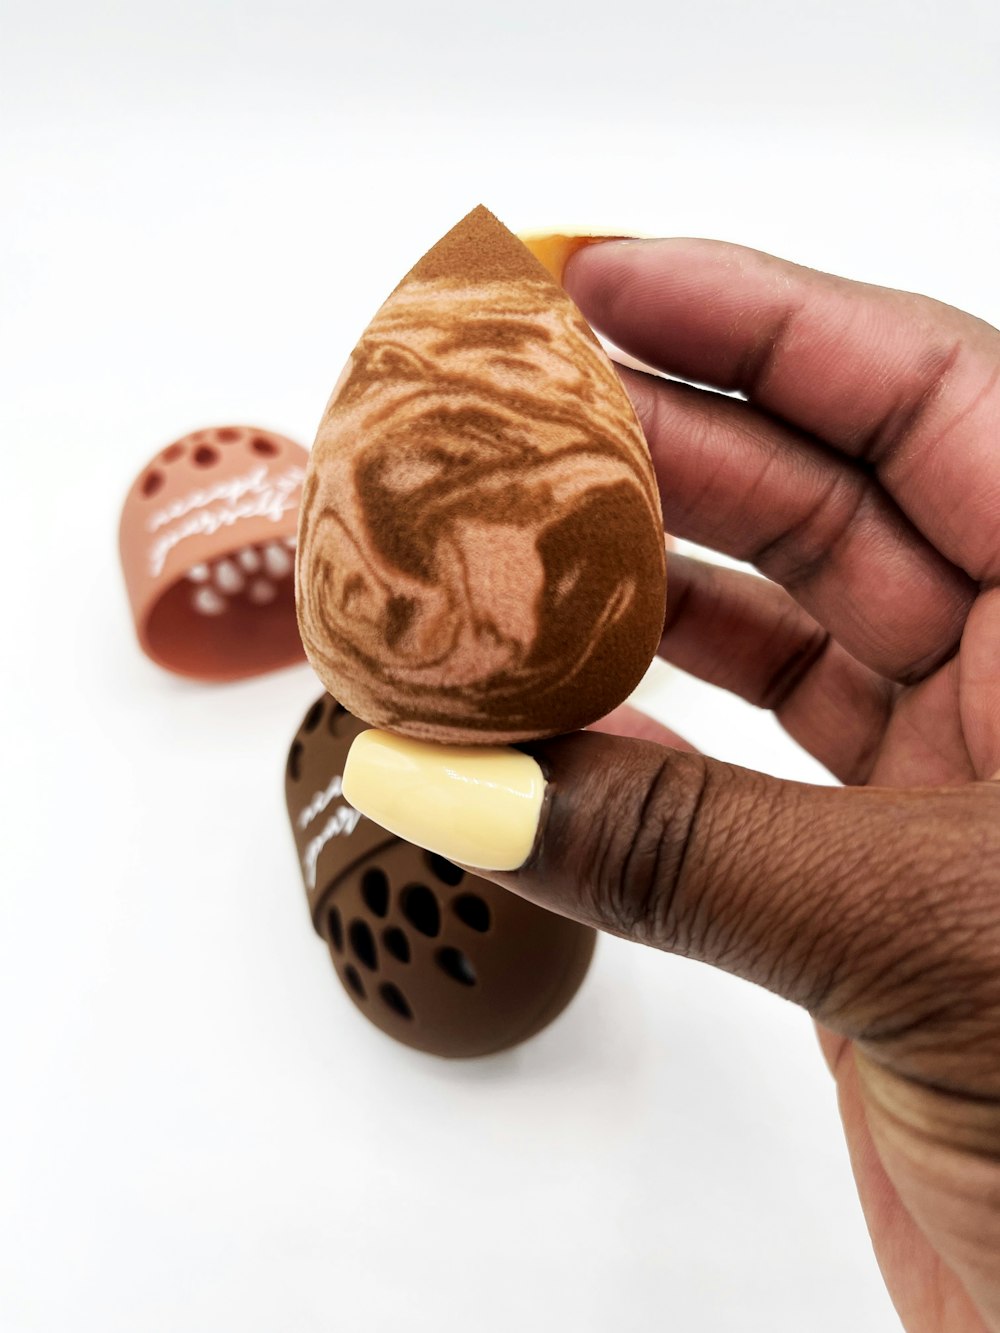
{"x": 212, "y": 497}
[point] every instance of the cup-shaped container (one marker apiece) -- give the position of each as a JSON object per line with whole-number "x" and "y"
{"x": 434, "y": 956}
{"x": 207, "y": 539}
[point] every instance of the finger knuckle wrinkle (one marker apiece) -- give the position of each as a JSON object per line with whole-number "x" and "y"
{"x": 796, "y": 556}
{"x": 645, "y": 835}
{"x": 755, "y": 367}
{"x": 794, "y": 669}
{"x": 903, "y": 422}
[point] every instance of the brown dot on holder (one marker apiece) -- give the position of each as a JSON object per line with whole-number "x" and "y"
{"x": 354, "y": 981}
{"x": 472, "y": 911}
{"x": 454, "y": 964}
{"x": 446, "y": 871}
{"x": 363, "y": 944}
{"x": 314, "y": 717}
{"x": 395, "y": 999}
{"x": 207, "y": 552}
{"x": 420, "y": 908}
{"x": 396, "y": 944}
{"x": 375, "y": 891}
{"x": 432, "y": 955}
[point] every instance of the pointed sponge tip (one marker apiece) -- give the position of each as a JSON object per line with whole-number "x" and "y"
{"x": 481, "y": 550}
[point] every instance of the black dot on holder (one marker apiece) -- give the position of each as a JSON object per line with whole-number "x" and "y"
{"x": 444, "y": 870}
{"x": 375, "y": 891}
{"x": 335, "y": 929}
{"x": 314, "y": 717}
{"x": 396, "y": 944}
{"x": 354, "y": 981}
{"x": 151, "y": 483}
{"x": 420, "y": 908}
{"x": 472, "y": 911}
{"x": 455, "y": 965}
{"x": 295, "y": 761}
{"x": 205, "y": 456}
{"x": 260, "y": 444}
{"x": 362, "y": 943}
{"x": 395, "y": 999}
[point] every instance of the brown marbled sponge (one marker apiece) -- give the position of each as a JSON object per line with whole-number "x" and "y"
{"x": 439, "y": 959}
{"x": 481, "y": 548}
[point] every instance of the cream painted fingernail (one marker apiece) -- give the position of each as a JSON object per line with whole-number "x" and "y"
{"x": 476, "y": 805}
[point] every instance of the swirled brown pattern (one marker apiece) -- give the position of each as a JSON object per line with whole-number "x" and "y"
{"x": 481, "y": 551}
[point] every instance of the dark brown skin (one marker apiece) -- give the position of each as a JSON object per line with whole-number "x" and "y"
{"x": 861, "y": 474}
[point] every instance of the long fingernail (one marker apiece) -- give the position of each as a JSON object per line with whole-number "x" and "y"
{"x": 477, "y": 805}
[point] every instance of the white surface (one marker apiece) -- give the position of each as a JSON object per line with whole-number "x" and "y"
{"x": 204, "y": 203}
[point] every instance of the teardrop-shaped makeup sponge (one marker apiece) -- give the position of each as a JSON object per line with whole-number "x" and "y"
{"x": 481, "y": 549}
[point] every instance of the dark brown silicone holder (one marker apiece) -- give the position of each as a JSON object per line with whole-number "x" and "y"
{"x": 436, "y": 957}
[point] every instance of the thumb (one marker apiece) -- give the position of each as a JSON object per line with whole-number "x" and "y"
{"x": 878, "y": 910}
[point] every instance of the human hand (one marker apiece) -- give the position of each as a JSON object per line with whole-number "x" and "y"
{"x": 861, "y": 475}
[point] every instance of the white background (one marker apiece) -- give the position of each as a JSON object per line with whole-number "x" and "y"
{"x": 201, "y": 205}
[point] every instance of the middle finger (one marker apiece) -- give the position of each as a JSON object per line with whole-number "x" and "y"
{"x": 736, "y": 480}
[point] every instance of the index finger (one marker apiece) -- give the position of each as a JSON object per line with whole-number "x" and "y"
{"x": 894, "y": 380}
